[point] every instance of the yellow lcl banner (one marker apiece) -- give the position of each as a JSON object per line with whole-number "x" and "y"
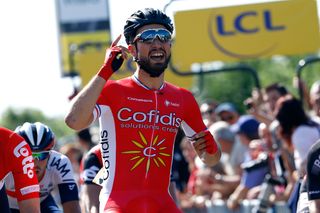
{"x": 247, "y": 31}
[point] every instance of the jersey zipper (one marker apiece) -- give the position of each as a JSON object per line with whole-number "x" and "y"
{"x": 155, "y": 93}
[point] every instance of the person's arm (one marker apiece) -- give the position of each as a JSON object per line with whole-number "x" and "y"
{"x": 315, "y": 206}
{"x": 238, "y": 195}
{"x": 202, "y": 140}
{"x": 71, "y": 207}
{"x": 29, "y": 205}
{"x": 206, "y": 147}
{"x": 80, "y": 114}
{"x": 90, "y": 197}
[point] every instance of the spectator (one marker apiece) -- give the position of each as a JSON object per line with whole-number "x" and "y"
{"x": 74, "y": 153}
{"x": 264, "y": 110}
{"x": 226, "y": 182}
{"x": 299, "y": 130}
{"x": 300, "y": 133}
{"x": 207, "y": 109}
{"x": 256, "y": 163}
{"x": 85, "y": 140}
{"x": 315, "y": 101}
{"x": 227, "y": 112}
{"x": 222, "y": 132}
{"x": 186, "y": 197}
{"x": 272, "y": 94}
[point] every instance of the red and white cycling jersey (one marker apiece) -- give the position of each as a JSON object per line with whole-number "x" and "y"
{"x": 16, "y": 158}
{"x": 138, "y": 128}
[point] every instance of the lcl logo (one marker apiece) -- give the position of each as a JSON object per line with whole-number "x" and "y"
{"x": 238, "y": 25}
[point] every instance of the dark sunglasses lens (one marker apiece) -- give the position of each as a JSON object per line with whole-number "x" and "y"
{"x": 227, "y": 118}
{"x": 40, "y": 155}
{"x": 150, "y": 35}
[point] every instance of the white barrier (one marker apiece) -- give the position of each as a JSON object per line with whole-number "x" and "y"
{"x": 219, "y": 206}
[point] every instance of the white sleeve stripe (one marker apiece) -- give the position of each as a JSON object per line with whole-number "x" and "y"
{"x": 30, "y": 189}
{"x": 187, "y": 129}
{"x": 96, "y": 112}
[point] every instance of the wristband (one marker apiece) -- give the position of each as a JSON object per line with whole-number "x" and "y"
{"x": 211, "y": 144}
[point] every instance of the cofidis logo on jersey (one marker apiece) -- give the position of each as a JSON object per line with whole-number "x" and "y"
{"x": 148, "y": 153}
{"x": 233, "y": 33}
{"x": 126, "y": 114}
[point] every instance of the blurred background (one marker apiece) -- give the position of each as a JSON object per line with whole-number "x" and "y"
{"x": 221, "y": 50}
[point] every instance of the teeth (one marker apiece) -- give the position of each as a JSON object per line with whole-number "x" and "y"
{"x": 157, "y": 54}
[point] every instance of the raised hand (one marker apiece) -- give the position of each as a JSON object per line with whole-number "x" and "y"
{"x": 114, "y": 58}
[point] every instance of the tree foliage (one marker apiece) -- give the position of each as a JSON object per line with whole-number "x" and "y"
{"x": 13, "y": 117}
{"x": 237, "y": 86}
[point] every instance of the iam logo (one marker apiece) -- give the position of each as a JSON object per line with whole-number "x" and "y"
{"x": 147, "y": 154}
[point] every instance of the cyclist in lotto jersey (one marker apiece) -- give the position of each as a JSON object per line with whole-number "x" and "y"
{"x": 52, "y": 168}
{"x": 16, "y": 160}
{"x": 139, "y": 118}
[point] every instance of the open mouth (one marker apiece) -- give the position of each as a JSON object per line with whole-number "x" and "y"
{"x": 157, "y": 56}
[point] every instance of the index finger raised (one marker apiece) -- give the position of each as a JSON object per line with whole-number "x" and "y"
{"x": 115, "y": 42}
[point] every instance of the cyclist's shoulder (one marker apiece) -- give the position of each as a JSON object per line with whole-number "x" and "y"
{"x": 93, "y": 156}
{"x": 123, "y": 82}
{"x": 59, "y": 166}
{"x": 9, "y": 137}
{"x": 95, "y": 150}
{"x": 175, "y": 88}
{"x": 57, "y": 160}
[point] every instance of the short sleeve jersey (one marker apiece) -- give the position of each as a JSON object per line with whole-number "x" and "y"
{"x": 138, "y": 128}
{"x": 16, "y": 159}
{"x": 58, "y": 174}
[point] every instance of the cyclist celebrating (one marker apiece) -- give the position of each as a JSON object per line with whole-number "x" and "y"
{"x": 139, "y": 119}
{"x": 16, "y": 160}
{"x": 52, "y": 168}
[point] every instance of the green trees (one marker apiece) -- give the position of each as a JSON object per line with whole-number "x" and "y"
{"x": 12, "y": 118}
{"x": 237, "y": 86}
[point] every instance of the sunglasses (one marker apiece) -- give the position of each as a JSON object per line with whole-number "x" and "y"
{"x": 227, "y": 118}
{"x": 147, "y": 36}
{"x": 41, "y": 155}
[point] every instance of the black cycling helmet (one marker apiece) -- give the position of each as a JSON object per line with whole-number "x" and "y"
{"x": 39, "y": 136}
{"x": 145, "y": 17}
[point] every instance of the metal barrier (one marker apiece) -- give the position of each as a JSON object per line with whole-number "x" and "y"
{"x": 219, "y": 206}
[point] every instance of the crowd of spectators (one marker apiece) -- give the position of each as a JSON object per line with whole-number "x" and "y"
{"x": 264, "y": 153}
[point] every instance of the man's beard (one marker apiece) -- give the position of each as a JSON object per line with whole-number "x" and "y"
{"x": 154, "y": 70}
